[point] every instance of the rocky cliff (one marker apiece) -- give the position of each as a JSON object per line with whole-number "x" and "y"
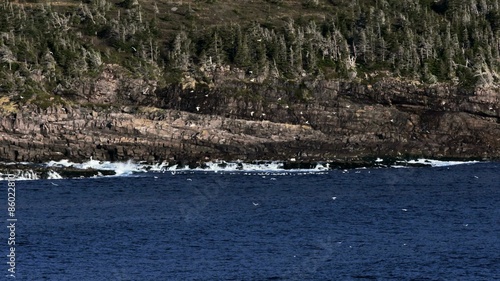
{"x": 317, "y": 120}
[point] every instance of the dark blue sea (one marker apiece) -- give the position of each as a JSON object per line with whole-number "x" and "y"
{"x": 440, "y": 223}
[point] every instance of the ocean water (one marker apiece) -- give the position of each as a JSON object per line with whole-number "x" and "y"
{"x": 440, "y": 223}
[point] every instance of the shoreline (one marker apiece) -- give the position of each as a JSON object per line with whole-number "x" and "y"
{"x": 184, "y": 102}
{"x": 340, "y": 121}
{"x": 94, "y": 168}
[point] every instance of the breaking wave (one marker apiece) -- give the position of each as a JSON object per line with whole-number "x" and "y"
{"x": 130, "y": 167}
{"x": 21, "y": 175}
{"x": 438, "y": 163}
{"x": 120, "y": 168}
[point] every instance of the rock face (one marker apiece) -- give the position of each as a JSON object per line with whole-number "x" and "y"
{"x": 321, "y": 120}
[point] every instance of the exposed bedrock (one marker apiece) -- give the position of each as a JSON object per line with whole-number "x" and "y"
{"x": 324, "y": 120}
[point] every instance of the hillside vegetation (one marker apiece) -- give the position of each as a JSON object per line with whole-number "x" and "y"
{"x": 47, "y": 48}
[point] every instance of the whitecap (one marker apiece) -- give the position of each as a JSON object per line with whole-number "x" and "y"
{"x": 439, "y": 163}
{"x": 120, "y": 168}
{"x": 26, "y": 175}
{"x": 51, "y": 175}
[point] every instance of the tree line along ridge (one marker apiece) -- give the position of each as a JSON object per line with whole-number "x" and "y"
{"x": 46, "y": 47}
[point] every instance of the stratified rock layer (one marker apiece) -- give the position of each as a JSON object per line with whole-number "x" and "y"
{"x": 324, "y": 120}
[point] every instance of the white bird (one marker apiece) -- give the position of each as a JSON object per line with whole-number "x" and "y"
{"x": 189, "y": 180}
{"x": 476, "y": 177}
{"x": 54, "y": 184}
{"x": 252, "y": 113}
{"x": 334, "y": 198}
{"x": 173, "y": 172}
{"x": 155, "y": 177}
{"x": 197, "y": 108}
{"x": 404, "y": 210}
{"x": 255, "y": 204}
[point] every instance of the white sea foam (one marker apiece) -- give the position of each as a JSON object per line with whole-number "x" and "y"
{"x": 260, "y": 168}
{"x": 25, "y": 175}
{"x": 130, "y": 167}
{"x": 438, "y": 163}
{"x": 400, "y": 167}
{"x": 61, "y": 163}
{"x": 239, "y": 166}
{"x": 54, "y": 176}
{"x": 120, "y": 168}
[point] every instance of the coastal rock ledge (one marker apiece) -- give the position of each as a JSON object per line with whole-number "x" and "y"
{"x": 320, "y": 121}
